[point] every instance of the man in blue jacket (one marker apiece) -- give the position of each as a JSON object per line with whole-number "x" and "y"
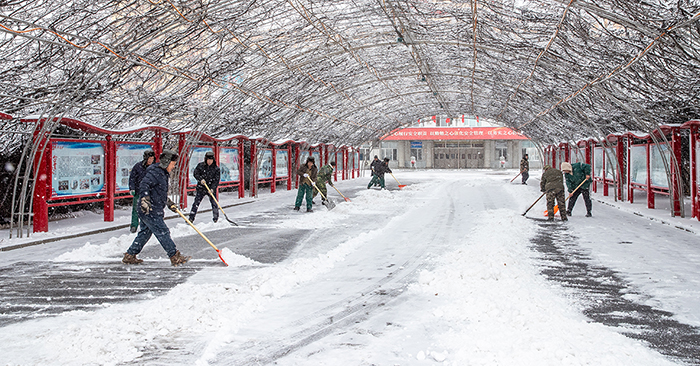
{"x": 576, "y": 174}
{"x": 135, "y": 177}
{"x": 153, "y": 191}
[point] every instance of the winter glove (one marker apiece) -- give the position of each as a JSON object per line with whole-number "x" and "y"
{"x": 306, "y": 175}
{"x": 132, "y": 192}
{"x": 146, "y": 205}
{"x": 172, "y": 206}
{"x": 204, "y": 182}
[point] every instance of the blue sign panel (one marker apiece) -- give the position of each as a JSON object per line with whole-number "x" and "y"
{"x": 416, "y": 144}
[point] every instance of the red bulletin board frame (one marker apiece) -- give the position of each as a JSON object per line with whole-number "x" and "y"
{"x": 215, "y": 144}
{"x": 42, "y": 167}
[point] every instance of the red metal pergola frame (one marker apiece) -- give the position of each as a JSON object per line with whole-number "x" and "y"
{"x": 694, "y": 127}
{"x": 216, "y": 145}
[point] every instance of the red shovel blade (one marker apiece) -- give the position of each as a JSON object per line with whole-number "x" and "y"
{"x": 222, "y": 258}
{"x": 347, "y": 199}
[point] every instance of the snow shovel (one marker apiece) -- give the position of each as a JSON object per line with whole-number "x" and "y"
{"x": 217, "y": 203}
{"x": 511, "y": 181}
{"x": 397, "y": 181}
{"x": 556, "y": 207}
{"x": 533, "y": 204}
{"x": 200, "y": 233}
{"x": 336, "y": 189}
{"x": 329, "y": 204}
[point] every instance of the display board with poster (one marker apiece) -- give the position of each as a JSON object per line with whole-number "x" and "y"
{"x": 128, "y": 154}
{"x": 229, "y": 159}
{"x": 638, "y": 164}
{"x": 77, "y": 168}
{"x": 282, "y": 164}
{"x": 657, "y": 167}
{"x": 265, "y": 164}
{"x": 610, "y": 163}
{"x": 305, "y": 154}
{"x": 339, "y": 161}
{"x": 196, "y": 157}
{"x": 598, "y": 162}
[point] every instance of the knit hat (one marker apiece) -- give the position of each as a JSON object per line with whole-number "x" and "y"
{"x": 209, "y": 155}
{"x": 148, "y": 153}
{"x": 566, "y": 167}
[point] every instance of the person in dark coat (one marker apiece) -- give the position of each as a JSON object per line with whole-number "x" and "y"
{"x": 380, "y": 170}
{"x": 374, "y": 166}
{"x": 153, "y": 191}
{"x": 552, "y": 183}
{"x": 525, "y": 168}
{"x": 307, "y": 173}
{"x": 135, "y": 177}
{"x": 575, "y": 174}
{"x": 206, "y": 171}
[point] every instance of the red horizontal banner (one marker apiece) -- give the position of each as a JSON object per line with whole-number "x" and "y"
{"x": 455, "y": 133}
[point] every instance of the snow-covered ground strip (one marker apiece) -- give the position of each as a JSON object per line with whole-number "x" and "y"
{"x": 442, "y": 271}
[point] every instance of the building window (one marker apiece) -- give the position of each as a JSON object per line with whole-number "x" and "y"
{"x": 417, "y": 153}
{"x": 392, "y": 154}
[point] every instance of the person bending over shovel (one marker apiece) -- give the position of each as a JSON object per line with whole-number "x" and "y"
{"x": 153, "y": 193}
{"x": 308, "y": 173}
{"x": 325, "y": 175}
{"x": 552, "y": 182}
{"x": 578, "y": 175}
{"x": 378, "y": 177}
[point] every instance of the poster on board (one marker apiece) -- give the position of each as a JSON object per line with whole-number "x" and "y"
{"x": 228, "y": 162}
{"x": 305, "y": 154}
{"x": 265, "y": 164}
{"x": 281, "y": 164}
{"x": 77, "y": 168}
{"x": 196, "y": 157}
{"x": 339, "y": 161}
{"x": 127, "y": 156}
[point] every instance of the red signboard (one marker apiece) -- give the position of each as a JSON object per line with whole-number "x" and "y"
{"x": 455, "y": 133}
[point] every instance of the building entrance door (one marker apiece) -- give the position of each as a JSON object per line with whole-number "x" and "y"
{"x": 458, "y": 157}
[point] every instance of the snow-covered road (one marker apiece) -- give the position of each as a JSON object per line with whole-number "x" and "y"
{"x": 445, "y": 271}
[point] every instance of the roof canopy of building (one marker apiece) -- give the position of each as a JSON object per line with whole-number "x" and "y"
{"x": 344, "y": 72}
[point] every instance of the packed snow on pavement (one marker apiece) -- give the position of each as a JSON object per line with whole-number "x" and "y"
{"x": 443, "y": 271}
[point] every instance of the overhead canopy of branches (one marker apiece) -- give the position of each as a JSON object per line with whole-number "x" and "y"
{"x": 344, "y": 72}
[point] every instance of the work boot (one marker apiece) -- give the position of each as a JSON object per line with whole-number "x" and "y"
{"x": 568, "y": 213}
{"x": 133, "y": 229}
{"x": 179, "y": 259}
{"x": 191, "y": 218}
{"x": 309, "y": 210}
{"x": 550, "y": 218}
{"x": 131, "y": 259}
{"x": 588, "y": 214}
{"x": 296, "y": 208}
{"x": 215, "y": 219}
{"x": 563, "y": 218}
